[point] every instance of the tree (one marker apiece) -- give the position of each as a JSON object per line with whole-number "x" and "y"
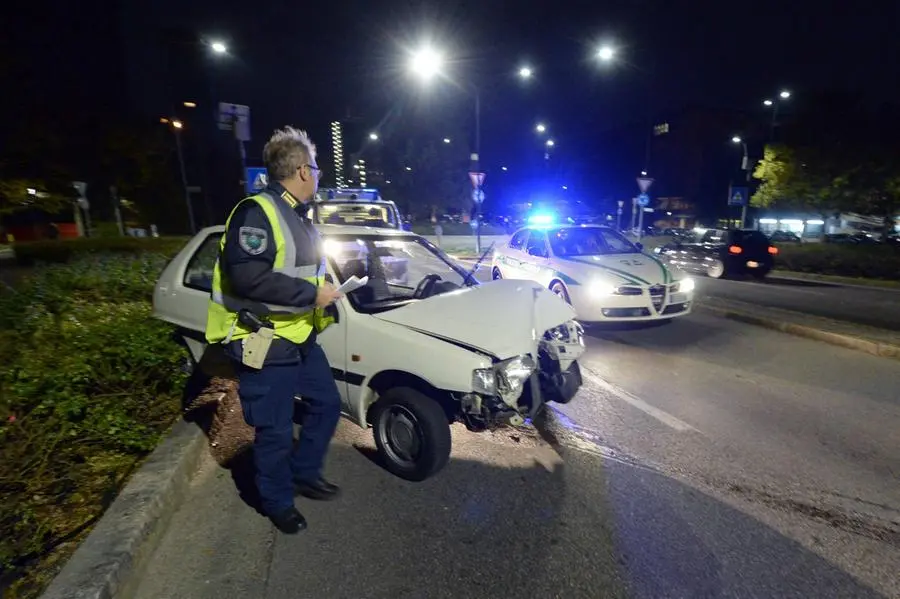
{"x": 18, "y": 195}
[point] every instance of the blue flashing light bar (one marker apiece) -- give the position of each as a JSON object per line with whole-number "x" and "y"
{"x": 541, "y": 219}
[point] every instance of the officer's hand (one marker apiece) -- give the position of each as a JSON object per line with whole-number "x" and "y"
{"x": 327, "y": 294}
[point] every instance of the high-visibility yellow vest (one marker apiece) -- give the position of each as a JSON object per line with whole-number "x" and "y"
{"x": 294, "y": 323}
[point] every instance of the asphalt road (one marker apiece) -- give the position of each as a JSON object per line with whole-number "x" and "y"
{"x": 864, "y": 305}
{"x": 704, "y": 458}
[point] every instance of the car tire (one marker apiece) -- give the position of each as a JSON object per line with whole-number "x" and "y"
{"x": 559, "y": 289}
{"x": 496, "y": 274}
{"x": 716, "y": 270}
{"x": 412, "y": 433}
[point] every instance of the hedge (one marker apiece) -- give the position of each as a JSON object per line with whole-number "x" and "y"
{"x": 871, "y": 262}
{"x": 31, "y": 253}
{"x": 89, "y": 383}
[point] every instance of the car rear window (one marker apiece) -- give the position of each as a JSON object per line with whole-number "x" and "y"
{"x": 749, "y": 238}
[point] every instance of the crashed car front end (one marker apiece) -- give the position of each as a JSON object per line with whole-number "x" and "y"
{"x": 517, "y": 388}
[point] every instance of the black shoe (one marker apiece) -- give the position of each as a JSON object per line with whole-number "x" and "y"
{"x": 289, "y": 521}
{"x": 320, "y": 489}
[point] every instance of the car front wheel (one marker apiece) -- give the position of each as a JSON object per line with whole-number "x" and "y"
{"x": 496, "y": 274}
{"x": 559, "y": 289}
{"x": 412, "y": 433}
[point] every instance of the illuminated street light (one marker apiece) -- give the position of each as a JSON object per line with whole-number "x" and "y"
{"x": 550, "y": 143}
{"x": 736, "y": 139}
{"x": 525, "y": 73}
{"x": 785, "y": 94}
{"x": 540, "y": 128}
{"x": 190, "y": 105}
{"x": 606, "y": 53}
{"x": 446, "y": 140}
{"x": 177, "y": 124}
{"x": 426, "y": 63}
{"x": 768, "y": 102}
{"x": 643, "y": 173}
{"x": 409, "y": 168}
{"x": 219, "y": 47}
{"x": 373, "y": 136}
{"x": 503, "y": 168}
{"x": 565, "y": 187}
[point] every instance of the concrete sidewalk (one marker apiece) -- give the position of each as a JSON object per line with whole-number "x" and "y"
{"x": 871, "y": 340}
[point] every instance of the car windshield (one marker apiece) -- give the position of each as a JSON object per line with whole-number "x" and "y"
{"x": 588, "y": 241}
{"x": 396, "y": 266}
{"x": 368, "y": 214}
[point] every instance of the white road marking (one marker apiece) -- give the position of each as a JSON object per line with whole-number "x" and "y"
{"x": 640, "y": 404}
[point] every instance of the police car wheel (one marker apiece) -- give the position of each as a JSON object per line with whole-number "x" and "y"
{"x": 495, "y": 274}
{"x": 412, "y": 433}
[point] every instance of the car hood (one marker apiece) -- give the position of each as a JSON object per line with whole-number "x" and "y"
{"x": 618, "y": 269}
{"x": 499, "y": 318}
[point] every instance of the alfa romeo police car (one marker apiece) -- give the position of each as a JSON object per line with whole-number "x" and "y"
{"x": 602, "y": 274}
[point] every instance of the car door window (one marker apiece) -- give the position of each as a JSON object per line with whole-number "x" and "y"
{"x": 199, "y": 272}
{"x": 518, "y": 240}
{"x": 537, "y": 245}
{"x": 713, "y": 236}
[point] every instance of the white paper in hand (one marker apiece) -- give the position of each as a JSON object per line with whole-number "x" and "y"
{"x": 352, "y": 284}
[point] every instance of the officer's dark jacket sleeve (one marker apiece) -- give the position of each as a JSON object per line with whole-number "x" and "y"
{"x": 250, "y": 276}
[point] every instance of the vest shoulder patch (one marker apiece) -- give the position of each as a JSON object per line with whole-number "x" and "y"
{"x": 253, "y": 240}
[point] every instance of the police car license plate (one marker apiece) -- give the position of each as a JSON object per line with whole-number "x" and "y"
{"x": 752, "y": 264}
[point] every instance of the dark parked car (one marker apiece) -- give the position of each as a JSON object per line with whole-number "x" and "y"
{"x": 785, "y": 237}
{"x": 719, "y": 253}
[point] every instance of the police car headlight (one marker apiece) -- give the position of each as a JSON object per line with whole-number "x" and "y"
{"x": 686, "y": 285}
{"x": 601, "y": 289}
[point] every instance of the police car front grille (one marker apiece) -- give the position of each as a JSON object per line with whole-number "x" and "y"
{"x": 658, "y": 296}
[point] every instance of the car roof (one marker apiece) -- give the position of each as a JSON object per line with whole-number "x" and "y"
{"x": 336, "y": 230}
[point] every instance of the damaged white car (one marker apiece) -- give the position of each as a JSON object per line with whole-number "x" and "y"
{"x": 422, "y": 345}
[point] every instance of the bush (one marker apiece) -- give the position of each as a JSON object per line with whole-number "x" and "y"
{"x": 31, "y": 253}
{"x": 872, "y": 262}
{"x": 89, "y": 383}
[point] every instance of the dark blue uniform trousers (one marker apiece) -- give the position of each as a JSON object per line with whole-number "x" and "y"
{"x": 267, "y": 398}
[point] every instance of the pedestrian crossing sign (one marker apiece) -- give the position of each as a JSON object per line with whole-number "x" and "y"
{"x": 257, "y": 179}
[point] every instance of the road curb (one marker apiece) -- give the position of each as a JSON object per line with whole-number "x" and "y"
{"x": 875, "y": 348}
{"x": 105, "y": 565}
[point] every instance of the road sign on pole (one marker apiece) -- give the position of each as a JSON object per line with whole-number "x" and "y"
{"x": 256, "y": 179}
{"x": 477, "y": 179}
{"x": 738, "y": 196}
{"x": 643, "y": 200}
{"x": 644, "y": 184}
{"x": 236, "y": 118}
{"x": 477, "y": 196}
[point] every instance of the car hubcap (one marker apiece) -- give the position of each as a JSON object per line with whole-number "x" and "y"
{"x": 400, "y": 435}
{"x": 716, "y": 270}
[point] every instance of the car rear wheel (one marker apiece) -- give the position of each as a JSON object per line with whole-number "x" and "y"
{"x": 716, "y": 269}
{"x": 496, "y": 274}
{"x": 559, "y": 289}
{"x": 412, "y": 433}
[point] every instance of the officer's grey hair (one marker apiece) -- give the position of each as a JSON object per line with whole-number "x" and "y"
{"x": 287, "y": 150}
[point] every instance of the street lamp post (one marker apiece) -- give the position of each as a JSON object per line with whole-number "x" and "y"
{"x": 783, "y": 95}
{"x": 745, "y": 165}
{"x": 177, "y": 126}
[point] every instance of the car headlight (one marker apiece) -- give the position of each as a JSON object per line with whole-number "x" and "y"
{"x": 506, "y": 378}
{"x": 601, "y": 289}
{"x": 686, "y": 285}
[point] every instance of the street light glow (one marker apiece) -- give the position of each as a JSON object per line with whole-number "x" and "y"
{"x": 736, "y": 139}
{"x": 446, "y": 140}
{"x": 426, "y": 63}
{"x": 768, "y": 102}
{"x": 606, "y": 53}
{"x": 550, "y": 143}
{"x": 409, "y": 168}
{"x": 785, "y": 94}
{"x": 373, "y": 136}
{"x": 503, "y": 168}
{"x": 177, "y": 124}
{"x": 525, "y": 73}
{"x": 219, "y": 47}
{"x": 540, "y": 128}
{"x": 565, "y": 187}
{"x": 190, "y": 105}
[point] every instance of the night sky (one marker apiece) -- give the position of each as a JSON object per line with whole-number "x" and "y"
{"x": 308, "y": 63}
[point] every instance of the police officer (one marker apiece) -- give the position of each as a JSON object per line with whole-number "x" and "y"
{"x": 269, "y": 301}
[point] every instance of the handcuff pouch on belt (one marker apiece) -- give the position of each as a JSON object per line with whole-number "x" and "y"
{"x": 256, "y": 345}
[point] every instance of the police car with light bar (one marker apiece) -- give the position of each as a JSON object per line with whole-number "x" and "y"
{"x": 355, "y": 206}
{"x": 602, "y": 274}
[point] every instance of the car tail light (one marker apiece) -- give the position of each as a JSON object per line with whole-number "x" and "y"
{"x": 773, "y": 250}
{"x": 735, "y": 249}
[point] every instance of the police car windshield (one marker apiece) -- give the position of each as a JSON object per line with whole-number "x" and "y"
{"x": 367, "y": 214}
{"x": 395, "y": 266}
{"x": 588, "y": 241}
